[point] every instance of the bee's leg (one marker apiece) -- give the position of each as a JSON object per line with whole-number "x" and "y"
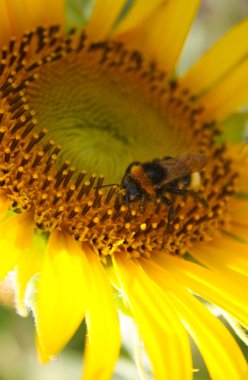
{"x": 170, "y": 218}
{"x": 177, "y": 191}
{"x": 195, "y": 195}
{"x": 142, "y": 203}
{"x": 127, "y": 201}
{"x": 192, "y": 193}
{"x": 120, "y": 200}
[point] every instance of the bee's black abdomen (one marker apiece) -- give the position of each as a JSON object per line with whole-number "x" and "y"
{"x": 155, "y": 172}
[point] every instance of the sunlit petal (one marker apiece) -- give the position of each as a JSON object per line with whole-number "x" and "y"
{"x": 225, "y": 253}
{"x": 217, "y": 346}
{"x": 239, "y": 231}
{"x": 214, "y": 287}
{"x": 4, "y": 204}
{"x": 103, "y": 18}
{"x": 150, "y": 307}
{"x": 138, "y": 13}
{"x": 13, "y": 241}
{"x": 219, "y": 60}
{"x": 219, "y": 102}
{"x": 43, "y": 357}
{"x": 5, "y": 25}
{"x": 239, "y": 211}
{"x": 161, "y": 36}
{"x": 239, "y": 154}
{"x": 103, "y": 338}
{"x": 36, "y": 13}
{"x": 29, "y": 263}
{"x": 62, "y": 293}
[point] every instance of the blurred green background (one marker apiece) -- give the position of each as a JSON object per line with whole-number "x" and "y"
{"x": 18, "y": 360}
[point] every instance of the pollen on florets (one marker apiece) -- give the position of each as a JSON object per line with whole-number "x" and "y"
{"x": 36, "y": 175}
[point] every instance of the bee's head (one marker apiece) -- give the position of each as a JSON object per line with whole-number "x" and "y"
{"x": 130, "y": 187}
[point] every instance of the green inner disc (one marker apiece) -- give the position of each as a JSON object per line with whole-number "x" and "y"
{"x": 101, "y": 116}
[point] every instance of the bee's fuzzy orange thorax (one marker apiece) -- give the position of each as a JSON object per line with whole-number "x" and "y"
{"x": 139, "y": 174}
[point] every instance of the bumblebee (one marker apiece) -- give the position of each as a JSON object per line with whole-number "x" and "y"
{"x": 153, "y": 180}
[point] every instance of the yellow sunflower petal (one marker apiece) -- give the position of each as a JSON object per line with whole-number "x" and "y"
{"x": 238, "y": 328}
{"x": 5, "y": 26}
{"x": 170, "y": 29}
{"x": 36, "y": 13}
{"x": 140, "y": 10}
{"x": 41, "y": 353}
{"x": 214, "y": 263}
{"x": 4, "y": 204}
{"x": 224, "y": 253}
{"x": 29, "y": 263}
{"x": 232, "y": 246}
{"x": 62, "y": 293}
{"x": 15, "y": 238}
{"x": 103, "y": 18}
{"x": 103, "y": 338}
{"x": 239, "y": 155}
{"x": 239, "y": 211}
{"x": 165, "y": 338}
{"x": 214, "y": 341}
{"x": 243, "y": 180}
{"x": 214, "y": 287}
{"x": 54, "y": 12}
{"x": 240, "y": 231}
{"x": 217, "y": 62}
{"x": 228, "y": 95}
{"x": 162, "y": 35}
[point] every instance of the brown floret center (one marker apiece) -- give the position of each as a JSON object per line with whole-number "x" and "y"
{"x": 39, "y": 176}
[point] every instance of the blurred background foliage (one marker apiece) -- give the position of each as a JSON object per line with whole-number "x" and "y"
{"x": 18, "y": 359}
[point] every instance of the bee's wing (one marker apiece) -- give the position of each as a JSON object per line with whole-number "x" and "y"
{"x": 195, "y": 162}
{"x": 182, "y": 166}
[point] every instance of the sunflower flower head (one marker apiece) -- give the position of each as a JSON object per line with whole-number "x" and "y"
{"x": 81, "y": 113}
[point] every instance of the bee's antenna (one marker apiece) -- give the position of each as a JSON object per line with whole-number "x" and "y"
{"x": 111, "y": 184}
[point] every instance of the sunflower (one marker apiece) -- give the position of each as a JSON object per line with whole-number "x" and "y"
{"x": 77, "y": 108}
